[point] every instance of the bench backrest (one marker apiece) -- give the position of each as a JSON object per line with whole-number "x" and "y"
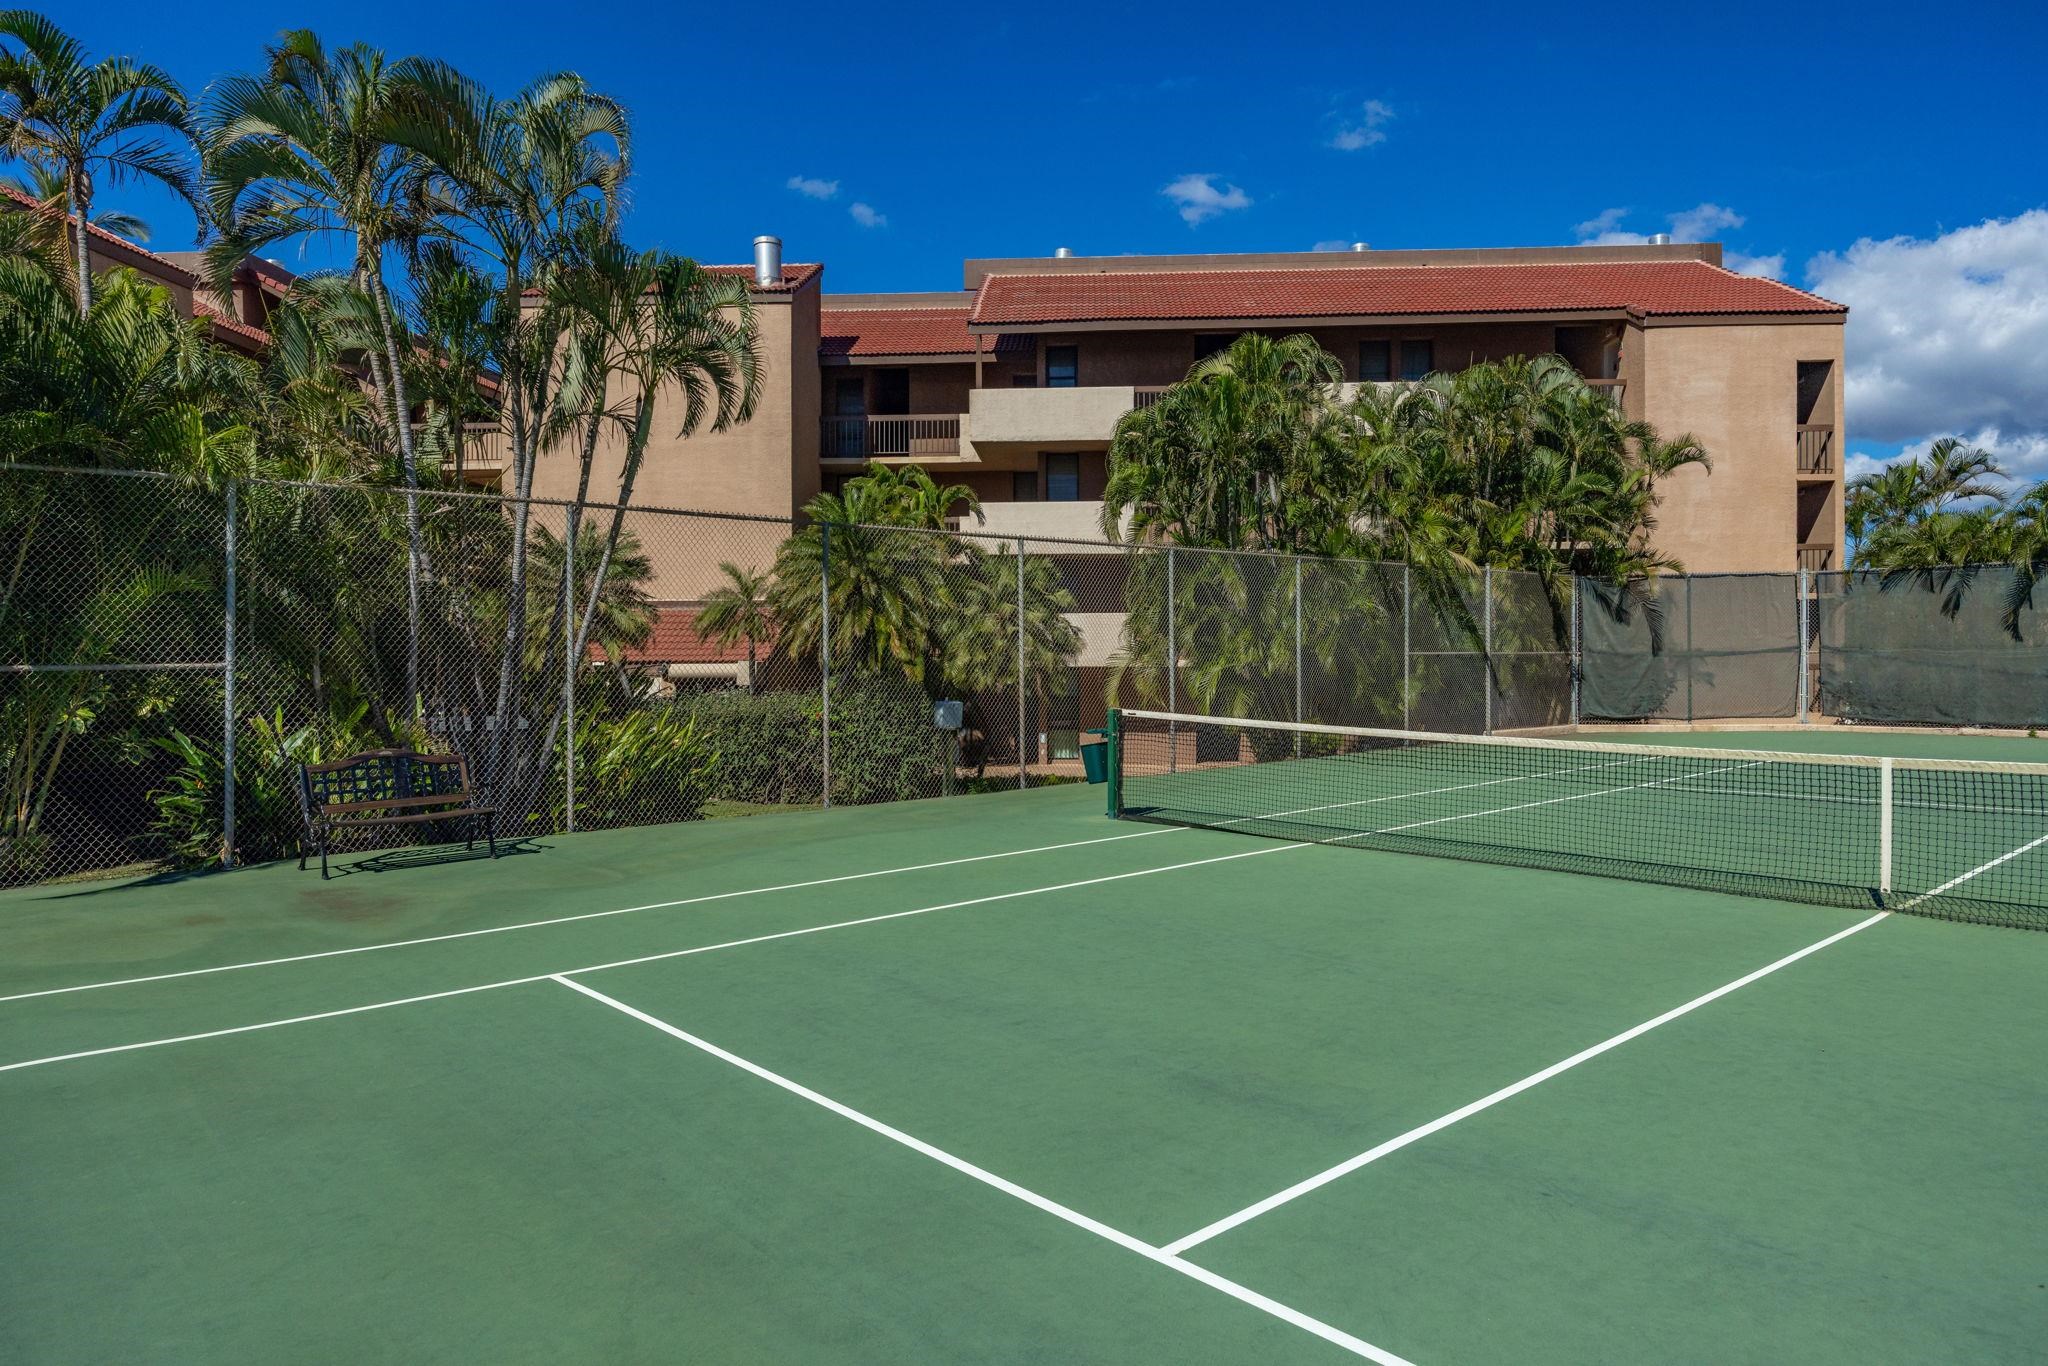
{"x": 383, "y": 775}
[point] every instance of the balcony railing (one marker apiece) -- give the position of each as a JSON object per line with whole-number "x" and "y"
{"x": 882, "y": 438}
{"x": 1816, "y": 557}
{"x": 1612, "y": 388}
{"x": 1816, "y": 448}
{"x": 1145, "y": 395}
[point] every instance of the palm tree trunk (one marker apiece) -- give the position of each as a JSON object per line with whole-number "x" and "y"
{"x": 524, "y": 458}
{"x": 81, "y": 211}
{"x": 415, "y": 560}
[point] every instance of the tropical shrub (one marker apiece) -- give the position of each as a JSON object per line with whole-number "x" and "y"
{"x": 640, "y": 767}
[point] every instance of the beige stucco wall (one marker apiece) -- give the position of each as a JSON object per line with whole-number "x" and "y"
{"x": 1734, "y": 388}
{"x": 767, "y": 465}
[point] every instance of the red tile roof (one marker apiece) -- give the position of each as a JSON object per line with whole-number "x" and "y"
{"x": 201, "y": 309}
{"x": 99, "y": 234}
{"x": 1646, "y": 288}
{"x": 903, "y": 332}
{"x": 675, "y": 641}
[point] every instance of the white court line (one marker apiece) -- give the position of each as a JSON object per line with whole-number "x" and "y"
{"x": 1985, "y": 867}
{"x": 1165, "y": 1258}
{"x": 1547, "y": 801}
{"x": 1392, "y": 1145}
{"x": 723, "y": 896}
{"x": 653, "y": 957}
{"x": 568, "y": 919}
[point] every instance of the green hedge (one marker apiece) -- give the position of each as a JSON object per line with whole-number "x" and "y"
{"x": 770, "y": 745}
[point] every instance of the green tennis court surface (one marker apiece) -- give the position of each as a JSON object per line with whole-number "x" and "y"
{"x": 997, "y": 1079}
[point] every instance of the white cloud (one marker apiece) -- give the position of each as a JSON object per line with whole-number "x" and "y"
{"x": 1369, "y": 130}
{"x": 1602, "y": 222}
{"x": 810, "y": 187}
{"x": 1199, "y": 198}
{"x": 1770, "y": 267}
{"x": 866, "y": 216}
{"x": 1702, "y": 221}
{"x": 1946, "y": 334}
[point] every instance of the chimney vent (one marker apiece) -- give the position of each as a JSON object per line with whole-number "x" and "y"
{"x": 1361, "y": 246}
{"x": 1062, "y": 253}
{"x": 767, "y": 260}
{"x": 1660, "y": 239}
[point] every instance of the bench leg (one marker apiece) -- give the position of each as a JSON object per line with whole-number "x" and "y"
{"x": 302, "y": 853}
{"x": 491, "y": 833}
{"x": 323, "y": 855}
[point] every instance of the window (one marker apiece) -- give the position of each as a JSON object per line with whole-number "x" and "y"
{"x": 1208, "y": 344}
{"x": 1062, "y": 477}
{"x": 1024, "y": 486}
{"x": 1062, "y": 367}
{"x": 1023, "y": 381}
{"x": 1063, "y": 715}
{"x": 1375, "y": 362}
{"x": 1418, "y": 358}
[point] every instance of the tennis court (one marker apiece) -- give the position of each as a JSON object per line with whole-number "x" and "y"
{"x": 999, "y": 1079}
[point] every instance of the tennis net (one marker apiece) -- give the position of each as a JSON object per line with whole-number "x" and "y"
{"x": 1958, "y": 839}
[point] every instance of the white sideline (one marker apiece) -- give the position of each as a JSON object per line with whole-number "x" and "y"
{"x": 741, "y": 892}
{"x": 1163, "y": 1257}
{"x": 653, "y": 957}
{"x": 568, "y": 919}
{"x": 1392, "y": 1145}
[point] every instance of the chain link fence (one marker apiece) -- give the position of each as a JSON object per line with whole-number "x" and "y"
{"x": 170, "y": 655}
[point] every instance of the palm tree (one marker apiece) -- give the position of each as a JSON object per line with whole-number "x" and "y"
{"x": 81, "y": 122}
{"x": 322, "y": 142}
{"x": 1239, "y": 454}
{"x": 737, "y": 610}
{"x": 1957, "y": 473}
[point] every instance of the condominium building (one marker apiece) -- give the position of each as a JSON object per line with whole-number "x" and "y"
{"x": 1013, "y": 385}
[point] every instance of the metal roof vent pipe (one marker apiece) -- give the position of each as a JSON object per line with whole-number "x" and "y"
{"x": 767, "y": 261}
{"x": 1660, "y": 239}
{"x": 1361, "y": 246}
{"x": 1062, "y": 253}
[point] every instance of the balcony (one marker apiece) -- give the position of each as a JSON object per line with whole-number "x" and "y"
{"x": 1071, "y": 521}
{"x": 1040, "y": 417}
{"x": 908, "y": 437}
{"x": 486, "y": 451}
{"x": 1816, "y": 557}
{"x": 1816, "y": 449}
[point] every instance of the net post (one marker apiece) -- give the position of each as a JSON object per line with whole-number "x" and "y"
{"x": 1486, "y": 645}
{"x": 1576, "y": 652}
{"x": 1172, "y": 672}
{"x": 227, "y": 739}
{"x": 1884, "y": 827}
{"x": 1805, "y": 643}
{"x": 573, "y": 531}
{"x": 1407, "y": 610}
{"x": 1113, "y": 736}
{"x": 825, "y": 663}
{"x": 1298, "y": 710}
{"x": 1022, "y": 709}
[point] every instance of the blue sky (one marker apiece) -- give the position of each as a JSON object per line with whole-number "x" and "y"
{"x": 1790, "y": 132}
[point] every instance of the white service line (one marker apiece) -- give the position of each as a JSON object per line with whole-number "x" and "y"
{"x": 569, "y": 919}
{"x": 656, "y": 957}
{"x": 1985, "y": 867}
{"x": 1547, "y": 801}
{"x": 1356, "y": 1346}
{"x": 1393, "y": 1145}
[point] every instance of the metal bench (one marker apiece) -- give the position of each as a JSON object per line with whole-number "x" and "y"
{"x": 389, "y": 787}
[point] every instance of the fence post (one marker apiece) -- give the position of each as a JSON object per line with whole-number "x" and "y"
{"x": 1022, "y": 720}
{"x": 227, "y": 744}
{"x": 825, "y": 660}
{"x": 1172, "y": 673}
{"x": 1805, "y": 644}
{"x": 1690, "y": 660}
{"x": 1407, "y": 610}
{"x": 569, "y": 668}
{"x": 1486, "y": 644}
{"x": 1575, "y": 651}
{"x": 1299, "y": 714}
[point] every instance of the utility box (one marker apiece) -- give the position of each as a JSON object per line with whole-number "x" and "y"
{"x": 947, "y": 715}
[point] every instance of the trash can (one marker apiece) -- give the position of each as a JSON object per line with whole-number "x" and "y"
{"x": 1095, "y": 757}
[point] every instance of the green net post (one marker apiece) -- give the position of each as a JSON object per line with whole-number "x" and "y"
{"x": 1113, "y": 736}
